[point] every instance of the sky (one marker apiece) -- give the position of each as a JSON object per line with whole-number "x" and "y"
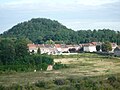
{"x": 75, "y": 14}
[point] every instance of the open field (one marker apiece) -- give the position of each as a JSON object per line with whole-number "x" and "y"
{"x": 80, "y": 65}
{"x": 91, "y": 65}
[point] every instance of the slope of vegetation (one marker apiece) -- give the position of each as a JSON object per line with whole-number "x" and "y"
{"x": 84, "y": 71}
{"x": 39, "y": 30}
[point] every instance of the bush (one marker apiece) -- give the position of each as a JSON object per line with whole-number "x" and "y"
{"x": 44, "y": 66}
{"x": 29, "y": 87}
{"x": 59, "y": 81}
{"x": 40, "y": 84}
{"x": 111, "y": 79}
{"x": 59, "y": 66}
{"x": 2, "y": 87}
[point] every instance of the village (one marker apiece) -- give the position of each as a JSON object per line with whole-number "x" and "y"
{"x": 63, "y": 49}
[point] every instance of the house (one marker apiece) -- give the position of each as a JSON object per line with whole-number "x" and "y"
{"x": 47, "y": 48}
{"x": 64, "y": 48}
{"x": 32, "y": 48}
{"x": 89, "y": 47}
{"x": 58, "y": 47}
{"x": 44, "y": 48}
{"x": 61, "y": 48}
{"x": 117, "y": 51}
{"x": 114, "y": 45}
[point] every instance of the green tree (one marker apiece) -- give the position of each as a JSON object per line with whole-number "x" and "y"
{"x": 98, "y": 47}
{"x": 21, "y": 48}
{"x": 7, "y": 51}
{"x": 106, "y": 47}
{"x": 38, "y": 51}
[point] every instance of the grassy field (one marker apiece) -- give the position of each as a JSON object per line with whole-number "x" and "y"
{"x": 80, "y": 65}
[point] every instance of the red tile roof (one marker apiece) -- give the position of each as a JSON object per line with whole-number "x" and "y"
{"x": 57, "y": 45}
{"x": 32, "y": 45}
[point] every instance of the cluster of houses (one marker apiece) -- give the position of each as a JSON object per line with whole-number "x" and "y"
{"x": 58, "y": 49}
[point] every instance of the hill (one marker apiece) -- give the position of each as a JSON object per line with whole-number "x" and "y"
{"x": 40, "y": 30}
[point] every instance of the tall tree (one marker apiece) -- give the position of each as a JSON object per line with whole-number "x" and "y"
{"x": 7, "y": 51}
{"x": 106, "y": 47}
{"x": 21, "y": 48}
{"x": 38, "y": 51}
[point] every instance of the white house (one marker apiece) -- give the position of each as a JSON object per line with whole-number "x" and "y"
{"x": 114, "y": 45}
{"x": 89, "y": 47}
{"x": 47, "y": 48}
{"x": 117, "y": 51}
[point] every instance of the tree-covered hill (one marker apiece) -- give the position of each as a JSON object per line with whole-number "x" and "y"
{"x": 39, "y": 30}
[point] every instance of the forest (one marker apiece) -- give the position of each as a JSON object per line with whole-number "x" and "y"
{"x": 40, "y": 30}
{"x": 14, "y": 56}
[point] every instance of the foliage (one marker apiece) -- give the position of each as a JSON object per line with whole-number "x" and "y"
{"x": 111, "y": 79}
{"x": 41, "y": 30}
{"x": 106, "y": 47}
{"x": 72, "y": 50}
{"x": 98, "y": 47}
{"x": 59, "y": 81}
{"x": 40, "y": 84}
{"x": 38, "y": 51}
{"x": 7, "y": 51}
{"x": 14, "y": 56}
{"x": 77, "y": 83}
{"x": 58, "y": 65}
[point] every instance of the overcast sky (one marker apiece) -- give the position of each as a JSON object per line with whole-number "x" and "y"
{"x": 75, "y": 14}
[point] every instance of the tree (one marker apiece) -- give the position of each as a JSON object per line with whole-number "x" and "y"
{"x": 38, "y": 51}
{"x": 72, "y": 50}
{"x": 21, "y": 48}
{"x": 106, "y": 47}
{"x": 50, "y": 42}
{"x": 7, "y": 51}
{"x": 98, "y": 47}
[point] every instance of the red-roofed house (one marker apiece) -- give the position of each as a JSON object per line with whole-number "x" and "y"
{"x": 32, "y": 48}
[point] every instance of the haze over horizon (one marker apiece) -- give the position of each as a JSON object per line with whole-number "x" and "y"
{"x": 75, "y": 14}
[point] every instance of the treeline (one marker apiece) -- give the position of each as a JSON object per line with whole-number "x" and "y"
{"x": 100, "y": 35}
{"x": 14, "y": 55}
{"x": 40, "y": 30}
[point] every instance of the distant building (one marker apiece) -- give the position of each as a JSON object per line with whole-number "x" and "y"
{"x": 32, "y": 48}
{"x": 114, "y": 45}
{"x": 50, "y": 67}
{"x": 117, "y": 51}
{"x": 58, "y": 49}
{"x": 89, "y": 47}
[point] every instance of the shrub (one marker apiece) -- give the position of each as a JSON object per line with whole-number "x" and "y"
{"x": 44, "y": 66}
{"x": 59, "y": 66}
{"x": 2, "y": 87}
{"x": 29, "y": 87}
{"x": 59, "y": 81}
{"x": 73, "y": 80}
{"x": 111, "y": 79}
{"x": 40, "y": 84}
